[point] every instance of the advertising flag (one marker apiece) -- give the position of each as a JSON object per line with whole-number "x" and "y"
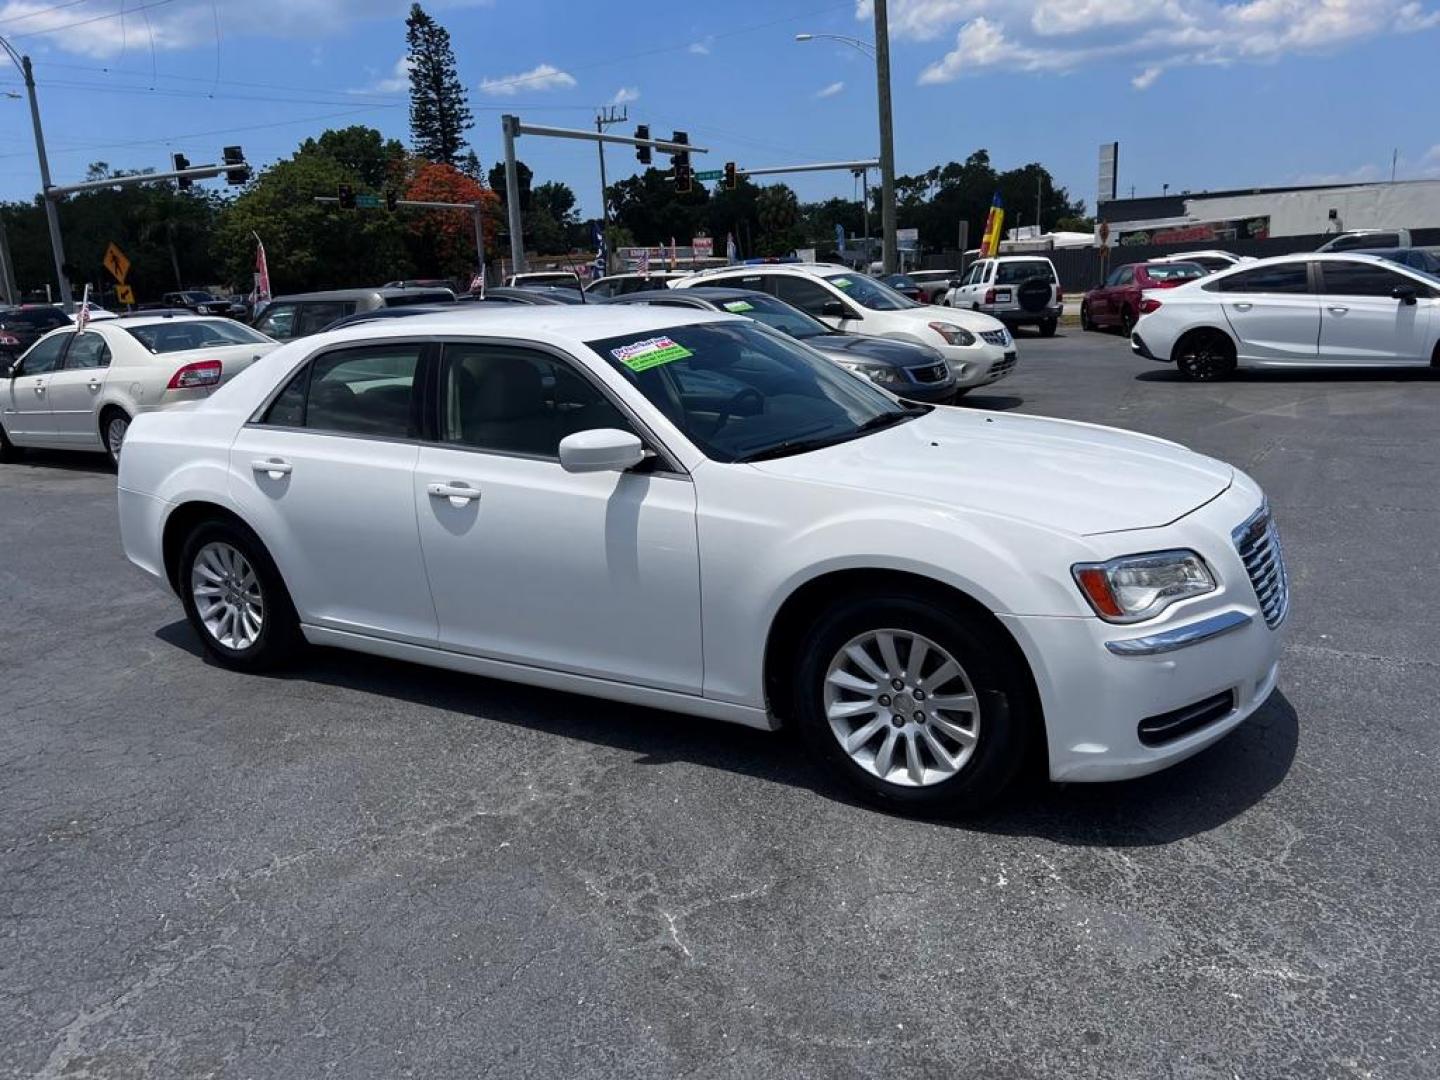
{"x": 82, "y": 317}
{"x": 731, "y": 255}
{"x": 262, "y": 273}
{"x": 644, "y": 264}
{"x": 598, "y": 236}
{"x": 994, "y": 223}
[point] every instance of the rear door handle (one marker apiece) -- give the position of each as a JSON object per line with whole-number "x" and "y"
{"x": 39, "y": 388}
{"x": 94, "y": 384}
{"x": 1338, "y": 309}
{"x": 1244, "y": 307}
{"x": 458, "y": 494}
{"x": 274, "y": 468}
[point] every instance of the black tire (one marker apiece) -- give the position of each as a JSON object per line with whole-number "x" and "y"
{"x": 279, "y": 641}
{"x": 1086, "y": 322}
{"x": 8, "y": 451}
{"x": 114, "y": 421}
{"x": 1206, "y": 356}
{"x": 1007, "y": 724}
{"x": 1127, "y": 322}
{"x": 1047, "y": 327}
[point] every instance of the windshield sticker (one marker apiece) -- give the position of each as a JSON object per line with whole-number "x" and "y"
{"x": 840, "y": 282}
{"x": 737, "y": 306}
{"x": 652, "y": 352}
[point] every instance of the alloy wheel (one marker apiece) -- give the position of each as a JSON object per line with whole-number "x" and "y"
{"x": 902, "y": 708}
{"x": 227, "y": 595}
{"x": 115, "y": 436}
{"x": 1204, "y": 362}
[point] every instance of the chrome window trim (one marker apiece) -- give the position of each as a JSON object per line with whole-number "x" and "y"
{"x": 1182, "y": 636}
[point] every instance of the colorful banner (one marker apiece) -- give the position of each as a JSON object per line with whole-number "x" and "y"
{"x": 994, "y": 224}
{"x": 262, "y": 273}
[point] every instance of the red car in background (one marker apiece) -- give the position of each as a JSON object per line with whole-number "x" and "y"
{"x": 1118, "y": 302}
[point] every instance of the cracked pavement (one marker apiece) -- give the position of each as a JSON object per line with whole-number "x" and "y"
{"x": 369, "y": 869}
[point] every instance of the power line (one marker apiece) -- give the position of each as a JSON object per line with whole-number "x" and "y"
{"x": 42, "y": 11}
{"x": 93, "y": 19}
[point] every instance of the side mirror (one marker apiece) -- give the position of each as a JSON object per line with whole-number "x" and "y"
{"x": 956, "y": 282}
{"x": 9, "y": 369}
{"x": 601, "y": 450}
{"x": 1406, "y": 294}
{"x": 833, "y": 309}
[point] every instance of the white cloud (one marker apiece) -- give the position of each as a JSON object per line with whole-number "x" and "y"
{"x": 1065, "y": 35}
{"x": 625, "y": 95}
{"x": 393, "y": 83}
{"x": 1431, "y": 156}
{"x": 1146, "y": 78}
{"x": 830, "y": 91}
{"x": 539, "y": 78}
{"x": 701, "y": 47}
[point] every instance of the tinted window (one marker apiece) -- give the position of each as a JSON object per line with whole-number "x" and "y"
{"x": 1114, "y": 278}
{"x": 1125, "y": 275}
{"x": 440, "y": 296}
{"x": 517, "y": 401}
{"x": 313, "y": 316}
{"x": 45, "y": 356}
{"x": 1365, "y": 240}
{"x": 1174, "y": 271}
{"x": 868, "y": 292}
{"x": 198, "y": 334}
{"x": 1360, "y": 279}
{"x": 366, "y": 391}
{"x": 1021, "y": 270}
{"x": 776, "y": 314}
{"x": 1281, "y": 278}
{"x": 809, "y": 296}
{"x": 976, "y": 272}
{"x": 87, "y": 351}
{"x": 755, "y": 282}
{"x": 278, "y": 321}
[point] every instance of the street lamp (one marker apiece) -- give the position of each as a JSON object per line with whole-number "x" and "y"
{"x": 878, "y": 51}
{"x": 52, "y": 215}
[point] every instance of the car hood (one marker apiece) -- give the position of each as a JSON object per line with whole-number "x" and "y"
{"x": 1077, "y": 478}
{"x": 880, "y": 350}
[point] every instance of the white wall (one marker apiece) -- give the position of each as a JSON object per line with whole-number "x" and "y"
{"x": 1413, "y": 204}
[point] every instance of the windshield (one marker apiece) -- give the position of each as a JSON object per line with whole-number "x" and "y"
{"x": 775, "y": 314}
{"x": 743, "y": 392}
{"x": 176, "y": 336}
{"x": 1181, "y": 271}
{"x": 1020, "y": 270}
{"x": 197, "y": 297}
{"x": 867, "y": 292}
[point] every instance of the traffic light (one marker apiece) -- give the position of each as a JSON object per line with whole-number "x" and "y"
{"x": 683, "y": 176}
{"x": 347, "y": 196}
{"x": 729, "y": 182}
{"x": 642, "y": 153}
{"x": 238, "y": 172}
{"x": 680, "y": 157}
{"x": 180, "y": 161}
{"x": 392, "y": 200}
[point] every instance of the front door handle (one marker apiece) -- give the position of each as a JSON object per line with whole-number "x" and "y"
{"x": 39, "y": 389}
{"x": 94, "y": 384}
{"x": 274, "y": 468}
{"x": 1338, "y": 309}
{"x": 1244, "y": 307}
{"x": 458, "y": 494}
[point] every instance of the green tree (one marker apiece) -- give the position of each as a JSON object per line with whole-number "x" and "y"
{"x": 439, "y": 111}
{"x": 653, "y": 211}
{"x": 523, "y": 176}
{"x": 370, "y": 157}
{"x": 778, "y": 213}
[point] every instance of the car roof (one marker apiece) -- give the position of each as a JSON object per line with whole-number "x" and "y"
{"x": 167, "y": 316}
{"x": 717, "y": 293}
{"x": 355, "y": 294}
{"x": 811, "y": 269}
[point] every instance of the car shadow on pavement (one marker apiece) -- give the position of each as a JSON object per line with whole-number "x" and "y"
{"x": 68, "y": 460}
{"x": 991, "y": 402}
{"x": 1167, "y": 373}
{"x": 1192, "y": 797}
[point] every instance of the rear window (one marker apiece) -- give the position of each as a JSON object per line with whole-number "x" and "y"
{"x": 1020, "y": 270}
{"x": 1365, "y": 240}
{"x": 440, "y": 296}
{"x": 168, "y": 337}
{"x": 1175, "y": 271}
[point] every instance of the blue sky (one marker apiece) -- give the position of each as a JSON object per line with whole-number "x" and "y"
{"x": 1201, "y": 94}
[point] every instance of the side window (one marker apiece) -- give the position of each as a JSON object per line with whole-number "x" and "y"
{"x": 278, "y": 322}
{"x": 87, "y": 351}
{"x": 973, "y": 277}
{"x": 1114, "y": 278}
{"x": 311, "y": 318}
{"x": 1361, "y": 279}
{"x": 1125, "y": 275}
{"x": 517, "y": 401}
{"x": 364, "y": 391}
{"x": 1290, "y": 277}
{"x": 809, "y": 296}
{"x": 45, "y": 356}
{"x": 755, "y": 282}
{"x": 602, "y": 288}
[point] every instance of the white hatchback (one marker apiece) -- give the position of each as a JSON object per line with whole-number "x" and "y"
{"x": 80, "y": 390}
{"x": 693, "y": 512}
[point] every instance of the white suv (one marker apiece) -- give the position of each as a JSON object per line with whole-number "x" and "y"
{"x": 1019, "y": 290}
{"x": 978, "y": 348}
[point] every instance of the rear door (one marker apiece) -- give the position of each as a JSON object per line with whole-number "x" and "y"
{"x": 26, "y": 404}
{"x": 1273, "y": 312}
{"x": 75, "y": 390}
{"x": 1361, "y": 322}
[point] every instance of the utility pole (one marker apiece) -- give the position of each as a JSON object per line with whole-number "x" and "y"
{"x": 889, "y": 247}
{"x": 1039, "y": 176}
{"x": 52, "y": 213}
{"x": 864, "y": 175}
{"x": 7, "y": 268}
{"x": 602, "y": 121}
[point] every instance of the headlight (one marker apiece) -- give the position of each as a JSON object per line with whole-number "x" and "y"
{"x": 876, "y": 373}
{"x": 953, "y": 335}
{"x": 1140, "y": 587}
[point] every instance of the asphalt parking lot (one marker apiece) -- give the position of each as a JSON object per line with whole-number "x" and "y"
{"x": 367, "y": 869}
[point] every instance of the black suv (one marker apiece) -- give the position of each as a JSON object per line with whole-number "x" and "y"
{"x": 21, "y": 327}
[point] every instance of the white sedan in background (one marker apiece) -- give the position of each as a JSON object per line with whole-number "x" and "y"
{"x": 80, "y": 390}
{"x": 692, "y": 512}
{"x": 1294, "y": 311}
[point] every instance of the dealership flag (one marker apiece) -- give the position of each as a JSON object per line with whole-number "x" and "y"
{"x": 731, "y": 255}
{"x": 83, "y": 315}
{"x": 994, "y": 222}
{"x": 644, "y": 264}
{"x": 477, "y": 283}
{"x": 674, "y": 253}
{"x": 262, "y": 273}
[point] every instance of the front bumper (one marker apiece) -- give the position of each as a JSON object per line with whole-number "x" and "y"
{"x": 932, "y": 393}
{"x": 979, "y": 364}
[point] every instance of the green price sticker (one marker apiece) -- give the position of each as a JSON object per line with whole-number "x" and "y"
{"x": 840, "y": 282}
{"x": 737, "y": 306}
{"x": 652, "y": 352}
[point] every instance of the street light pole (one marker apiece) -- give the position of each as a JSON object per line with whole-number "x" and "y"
{"x": 889, "y": 252}
{"x": 52, "y": 213}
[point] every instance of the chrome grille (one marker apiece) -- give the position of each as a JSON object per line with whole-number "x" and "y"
{"x": 1258, "y": 543}
{"x": 930, "y": 373}
{"x": 996, "y": 337}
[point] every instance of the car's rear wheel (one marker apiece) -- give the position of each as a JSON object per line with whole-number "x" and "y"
{"x": 235, "y": 598}
{"x": 1205, "y": 356}
{"x": 1086, "y": 322}
{"x": 915, "y": 706}
{"x": 1047, "y": 327}
{"x": 1127, "y": 322}
{"x": 114, "y": 425}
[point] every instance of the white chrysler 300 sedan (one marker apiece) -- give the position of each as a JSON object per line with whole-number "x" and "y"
{"x": 692, "y": 512}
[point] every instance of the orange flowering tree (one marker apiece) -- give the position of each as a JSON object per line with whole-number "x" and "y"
{"x": 445, "y": 239}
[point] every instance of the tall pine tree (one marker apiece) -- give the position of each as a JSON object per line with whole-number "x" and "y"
{"x": 439, "y": 113}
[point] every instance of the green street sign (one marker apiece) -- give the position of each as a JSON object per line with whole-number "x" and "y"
{"x": 710, "y": 174}
{"x": 368, "y": 202}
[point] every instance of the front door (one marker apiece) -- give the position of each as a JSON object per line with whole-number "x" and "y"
{"x": 26, "y": 403}
{"x": 1362, "y": 323}
{"x": 594, "y": 573}
{"x": 1273, "y": 312}
{"x": 325, "y": 478}
{"x": 75, "y": 389}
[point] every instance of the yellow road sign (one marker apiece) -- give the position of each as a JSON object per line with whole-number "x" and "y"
{"x": 116, "y": 262}
{"x": 124, "y": 294}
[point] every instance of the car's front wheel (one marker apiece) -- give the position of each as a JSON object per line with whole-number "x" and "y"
{"x": 913, "y": 705}
{"x": 1127, "y": 322}
{"x": 1086, "y": 322}
{"x": 235, "y": 598}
